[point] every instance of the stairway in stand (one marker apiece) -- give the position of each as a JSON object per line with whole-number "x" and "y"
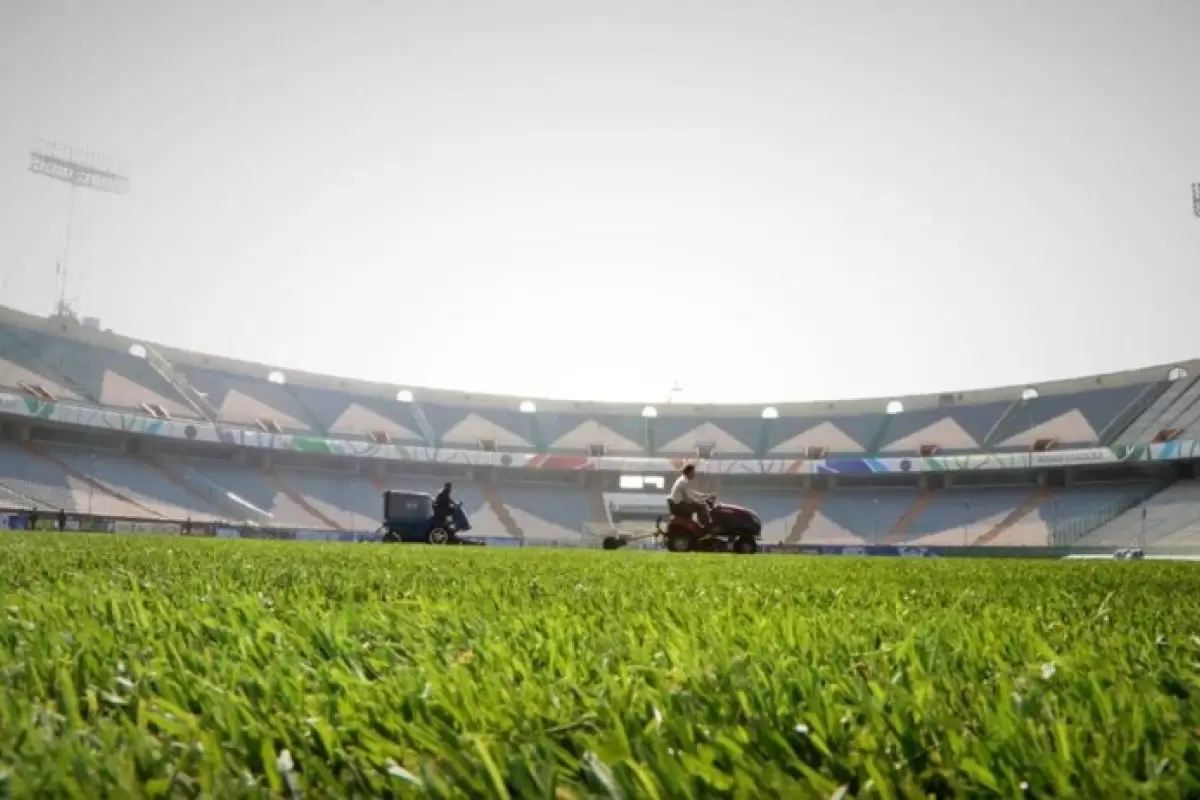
{"x": 496, "y": 504}
{"x": 902, "y": 526}
{"x": 302, "y": 501}
{"x": 95, "y": 484}
{"x": 1019, "y": 513}
{"x": 808, "y": 511}
{"x": 600, "y": 515}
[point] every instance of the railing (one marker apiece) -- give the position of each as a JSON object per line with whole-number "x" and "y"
{"x": 1066, "y": 533}
{"x": 197, "y": 400}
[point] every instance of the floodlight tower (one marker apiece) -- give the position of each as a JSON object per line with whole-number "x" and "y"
{"x": 79, "y": 169}
{"x": 674, "y": 392}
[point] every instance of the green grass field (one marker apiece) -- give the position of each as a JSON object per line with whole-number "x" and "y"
{"x": 156, "y": 667}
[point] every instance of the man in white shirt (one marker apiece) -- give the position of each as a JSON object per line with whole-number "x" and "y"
{"x": 687, "y": 498}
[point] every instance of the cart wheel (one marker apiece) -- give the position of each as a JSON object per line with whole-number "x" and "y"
{"x": 439, "y": 536}
{"x": 679, "y": 543}
{"x": 745, "y": 545}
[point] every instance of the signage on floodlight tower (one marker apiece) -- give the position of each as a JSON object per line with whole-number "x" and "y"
{"x": 79, "y": 167}
{"x": 1196, "y": 198}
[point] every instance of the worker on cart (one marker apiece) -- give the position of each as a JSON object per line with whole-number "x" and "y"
{"x": 687, "y": 499}
{"x": 443, "y": 505}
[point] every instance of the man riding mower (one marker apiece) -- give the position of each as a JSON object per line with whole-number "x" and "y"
{"x": 722, "y": 527}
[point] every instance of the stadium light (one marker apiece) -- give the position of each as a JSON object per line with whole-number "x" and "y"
{"x": 79, "y": 169}
{"x": 895, "y": 407}
{"x": 1029, "y": 394}
{"x": 1177, "y": 374}
{"x": 770, "y": 412}
{"x": 404, "y": 396}
{"x": 528, "y": 407}
{"x": 137, "y": 351}
{"x": 277, "y": 378}
{"x": 649, "y": 412}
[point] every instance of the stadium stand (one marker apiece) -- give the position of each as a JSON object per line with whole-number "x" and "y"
{"x": 97, "y": 482}
{"x": 136, "y": 480}
{"x": 50, "y": 485}
{"x": 10, "y": 500}
{"x": 361, "y": 417}
{"x": 1069, "y": 514}
{"x": 577, "y": 433}
{"x": 961, "y": 516}
{"x": 1186, "y": 537}
{"x": 73, "y": 363}
{"x": 1171, "y": 516}
{"x": 248, "y": 401}
{"x": 61, "y": 362}
{"x": 352, "y": 504}
{"x": 263, "y": 500}
{"x": 80, "y": 370}
{"x": 556, "y": 513}
{"x": 865, "y": 515}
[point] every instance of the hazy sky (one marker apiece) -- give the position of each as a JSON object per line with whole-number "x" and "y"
{"x": 763, "y": 200}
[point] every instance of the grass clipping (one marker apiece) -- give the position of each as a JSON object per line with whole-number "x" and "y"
{"x": 156, "y": 667}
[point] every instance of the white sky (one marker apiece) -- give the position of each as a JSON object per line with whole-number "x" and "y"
{"x": 766, "y": 201}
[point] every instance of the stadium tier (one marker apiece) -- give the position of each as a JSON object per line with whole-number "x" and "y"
{"x": 60, "y": 360}
{"x": 102, "y": 426}
{"x": 93, "y": 482}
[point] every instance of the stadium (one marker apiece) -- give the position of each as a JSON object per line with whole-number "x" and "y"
{"x": 931, "y": 494}
{"x": 129, "y": 435}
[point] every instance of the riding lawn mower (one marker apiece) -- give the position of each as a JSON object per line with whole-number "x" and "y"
{"x": 733, "y": 529}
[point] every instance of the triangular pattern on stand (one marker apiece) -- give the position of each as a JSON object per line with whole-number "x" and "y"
{"x": 826, "y": 435}
{"x": 118, "y": 391}
{"x": 946, "y": 433}
{"x": 592, "y": 432}
{"x": 1071, "y": 428}
{"x": 471, "y": 428}
{"x": 14, "y": 374}
{"x": 238, "y": 407}
{"x": 707, "y": 433}
{"x": 359, "y": 420}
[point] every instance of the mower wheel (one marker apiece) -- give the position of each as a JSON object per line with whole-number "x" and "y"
{"x": 439, "y": 536}
{"x": 679, "y": 543}
{"x": 745, "y": 545}
{"x": 613, "y": 543}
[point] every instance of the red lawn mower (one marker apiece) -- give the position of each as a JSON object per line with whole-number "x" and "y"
{"x": 733, "y": 529}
